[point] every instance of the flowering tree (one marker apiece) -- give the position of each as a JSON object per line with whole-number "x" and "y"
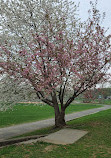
{"x": 12, "y": 91}
{"x": 90, "y": 95}
{"x": 52, "y": 51}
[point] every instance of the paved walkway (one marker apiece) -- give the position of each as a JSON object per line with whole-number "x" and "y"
{"x": 16, "y": 130}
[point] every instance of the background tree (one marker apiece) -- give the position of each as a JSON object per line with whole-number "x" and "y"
{"x": 12, "y": 91}
{"x": 46, "y": 46}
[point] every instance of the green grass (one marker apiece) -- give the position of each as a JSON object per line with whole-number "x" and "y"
{"x": 106, "y": 101}
{"x": 22, "y": 113}
{"x": 96, "y": 144}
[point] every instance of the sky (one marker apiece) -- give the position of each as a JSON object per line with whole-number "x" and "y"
{"x": 103, "y": 6}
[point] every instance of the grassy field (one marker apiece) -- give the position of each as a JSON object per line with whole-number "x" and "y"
{"x": 106, "y": 101}
{"x": 96, "y": 144}
{"x": 22, "y": 113}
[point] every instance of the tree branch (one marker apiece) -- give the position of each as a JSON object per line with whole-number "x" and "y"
{"x": 45, "y": 100}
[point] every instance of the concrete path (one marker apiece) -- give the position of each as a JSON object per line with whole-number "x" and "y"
{"x": 63, "y": 136}
{"x": 16, "y": 130}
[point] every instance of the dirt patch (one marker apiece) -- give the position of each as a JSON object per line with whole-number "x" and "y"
{"x": 50, "y": 148}
{"x": 99, "y": 150}
{"x": 95, "y": 124}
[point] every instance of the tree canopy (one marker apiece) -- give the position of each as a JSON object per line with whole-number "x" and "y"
{"x": 43, "y": 43}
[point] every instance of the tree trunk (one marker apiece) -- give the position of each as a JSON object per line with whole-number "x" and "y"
{"x": 60, "y": 118}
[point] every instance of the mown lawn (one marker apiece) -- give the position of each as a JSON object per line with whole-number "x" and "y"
{"x": 96, "y": 144}
{"x": 102, "y": 101}
{"x": 106, "y": 101}
{"x": 22, "y": 113}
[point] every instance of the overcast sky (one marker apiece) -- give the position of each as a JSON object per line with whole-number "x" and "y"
{"x": 103, "y": 6}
